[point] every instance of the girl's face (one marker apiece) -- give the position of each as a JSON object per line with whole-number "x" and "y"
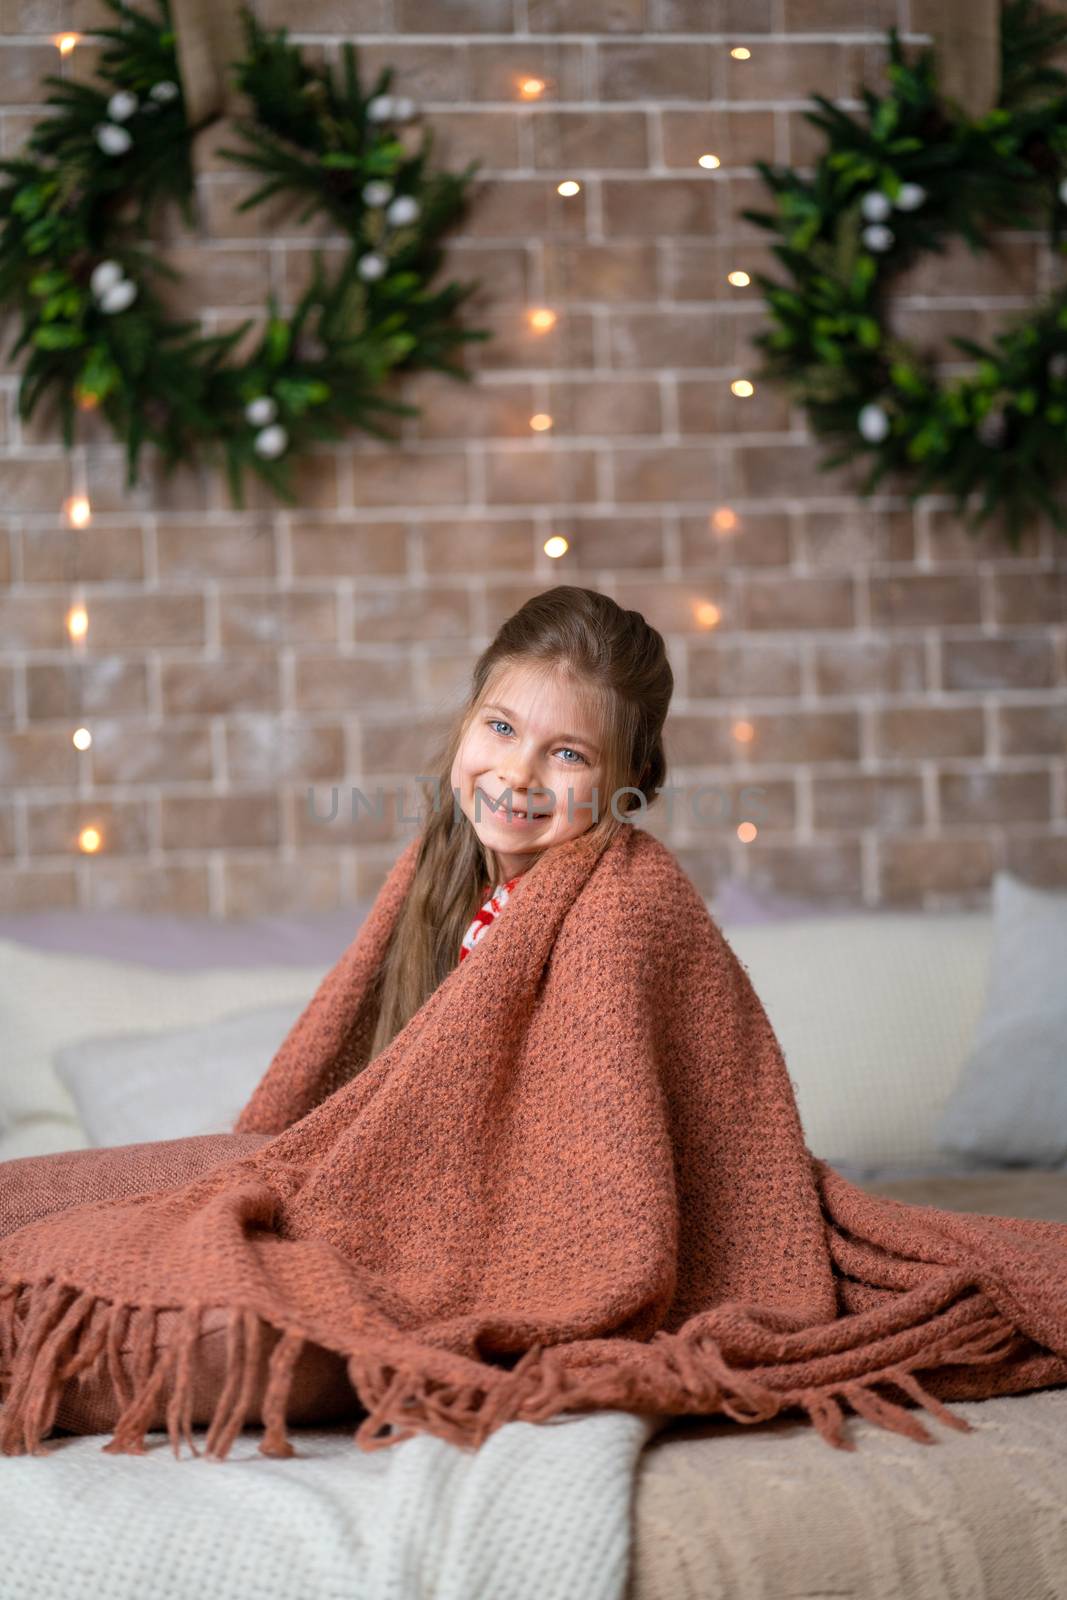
{"x": 532, "y": 744}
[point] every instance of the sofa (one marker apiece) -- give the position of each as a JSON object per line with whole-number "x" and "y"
{"x": 168, "y": 1022}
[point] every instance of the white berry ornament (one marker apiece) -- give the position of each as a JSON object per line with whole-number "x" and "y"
{"x": 261, "y": 410}
{"x": 377, "y": 192}
{"x": 271, "y": 441}
{"x": 380, "y": 108}
{"x": 405, "y": 208}
{"x": 122, "y": 104}
{"x": 877, "y": 236}
{"x": 119, "y": 296}
{"x": 163, "y": 91}
{"x": 371, "y": 267}
{"x": 910, "y": 197}
{"x": 876, "y": 206}
{"x": 112, "y": 139}
{"x": 403, "y": 108}
{"x": 104, "y": 276}
{"x": 873, "y": 423}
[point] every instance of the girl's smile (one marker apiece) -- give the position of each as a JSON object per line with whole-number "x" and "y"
{"x": 512, "y": 815}
{"x": 526, "y": 768}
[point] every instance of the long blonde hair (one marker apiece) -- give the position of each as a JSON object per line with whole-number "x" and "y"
{"x": 617, "y": 663}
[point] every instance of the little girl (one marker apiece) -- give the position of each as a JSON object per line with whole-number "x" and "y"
{"x": 565, "y": 715}
{"x": 561, "y": 734}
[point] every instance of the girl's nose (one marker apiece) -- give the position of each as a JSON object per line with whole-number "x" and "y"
{"x": 513, "y": 777}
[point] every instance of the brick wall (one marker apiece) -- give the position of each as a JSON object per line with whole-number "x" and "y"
{"x": 897, "y": 688}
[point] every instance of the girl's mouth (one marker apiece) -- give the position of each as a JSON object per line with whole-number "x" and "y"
{"x": 517, "y": 817}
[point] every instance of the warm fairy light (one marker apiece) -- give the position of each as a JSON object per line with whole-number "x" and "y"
{"x": 744, "y": 732}
{"x": 542, "y": 319}
{"x": 556, "y": 546}
{"x": 65, "y": 42}
{"x": 81, "y": 738}
{"x": 709, "y": 161}
{"x": 85, "y": 399}
{"x": 707, "y": 614}
{"x": 77, "y": 622}
{"x": 746, "y": 832}
{"x": 740, "y": 52}
{"x": 724, "y": 519}
{"x": 569, "y": 186}
{"x": 740, "y": 280}
{"x": 741, "y": 386}
{"x": 540, "y": 421}
{"x": 90, "y": 840}
{"x": 78, "y": 511}
{"x": 531, "y": 88}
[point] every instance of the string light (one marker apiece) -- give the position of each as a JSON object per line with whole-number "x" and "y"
{"x": 740, "y": 280}
{"x": 707, "y": 614}
{"x": 741, "y": 386}
{"x": 540, "y": 421}
{"x": 743, "y": 732}
{"x": 741, "y": 52}
{"x": 541, "y": 319}
{"x": 77, "y": 511}
{"x": 569, "y": 186}
{"x": 89, "y": 840}
{"x": 532, "y": 88}
{"x": 746, "y": 832}
{"x": 65, "y": 42}
{"x": 556, "y": 546}
{"x": 81, "y": 738}
{"x": 77, "y": 622}
{"x": 85, "y": 399}
{"x": 724, "y": 519}
{"x": 708, "y": 161}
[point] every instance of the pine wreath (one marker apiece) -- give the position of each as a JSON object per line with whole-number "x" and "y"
{"x": 906, "y": 178}
{"x": 73, "y": 265}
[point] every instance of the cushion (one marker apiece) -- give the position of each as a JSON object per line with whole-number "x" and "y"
{"x": 50, "y": 1000}
{"x": 875, "y": 1015}
{"x": 37, "y": 1186}
{"x": 166, "y": 1085}
{"x": 1010, "y": 1103}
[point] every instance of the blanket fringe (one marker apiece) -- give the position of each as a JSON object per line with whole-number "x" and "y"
{"x": 52, "y": 1331}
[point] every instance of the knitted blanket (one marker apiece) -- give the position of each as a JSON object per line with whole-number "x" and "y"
{"x": 575, "y": 1180}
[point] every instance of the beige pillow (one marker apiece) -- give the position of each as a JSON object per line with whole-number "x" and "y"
{"x": 875, "y": 1013}
{"x": 42, "y": 1186}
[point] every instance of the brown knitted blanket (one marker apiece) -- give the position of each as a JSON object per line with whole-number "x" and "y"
{"x": 575, "y": 1180}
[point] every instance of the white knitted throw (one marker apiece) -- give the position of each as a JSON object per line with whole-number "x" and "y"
{"x": 542, "y": 1511}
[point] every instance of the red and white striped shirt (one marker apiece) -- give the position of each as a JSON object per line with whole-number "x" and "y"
{"x": 486, "y": 915}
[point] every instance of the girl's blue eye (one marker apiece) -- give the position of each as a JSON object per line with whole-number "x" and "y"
{"x": 499, "y": 722}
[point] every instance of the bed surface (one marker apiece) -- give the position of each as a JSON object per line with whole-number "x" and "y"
{"x": 774, "y": 1513}
{"x": 719, "y": 1509}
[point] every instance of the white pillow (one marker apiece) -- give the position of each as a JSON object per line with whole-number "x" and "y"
{"x": 48, "y": 1001}
{"x": 1010, "y": 1104}
{"x": 130, "y": 1088}
{"x": 875, "y": 1013}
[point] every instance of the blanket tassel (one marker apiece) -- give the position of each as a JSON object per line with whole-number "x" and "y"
{"x": 993, "y": 1339}
{"x": 51, "y": 1332}
{"x": 539, "y": 1386}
